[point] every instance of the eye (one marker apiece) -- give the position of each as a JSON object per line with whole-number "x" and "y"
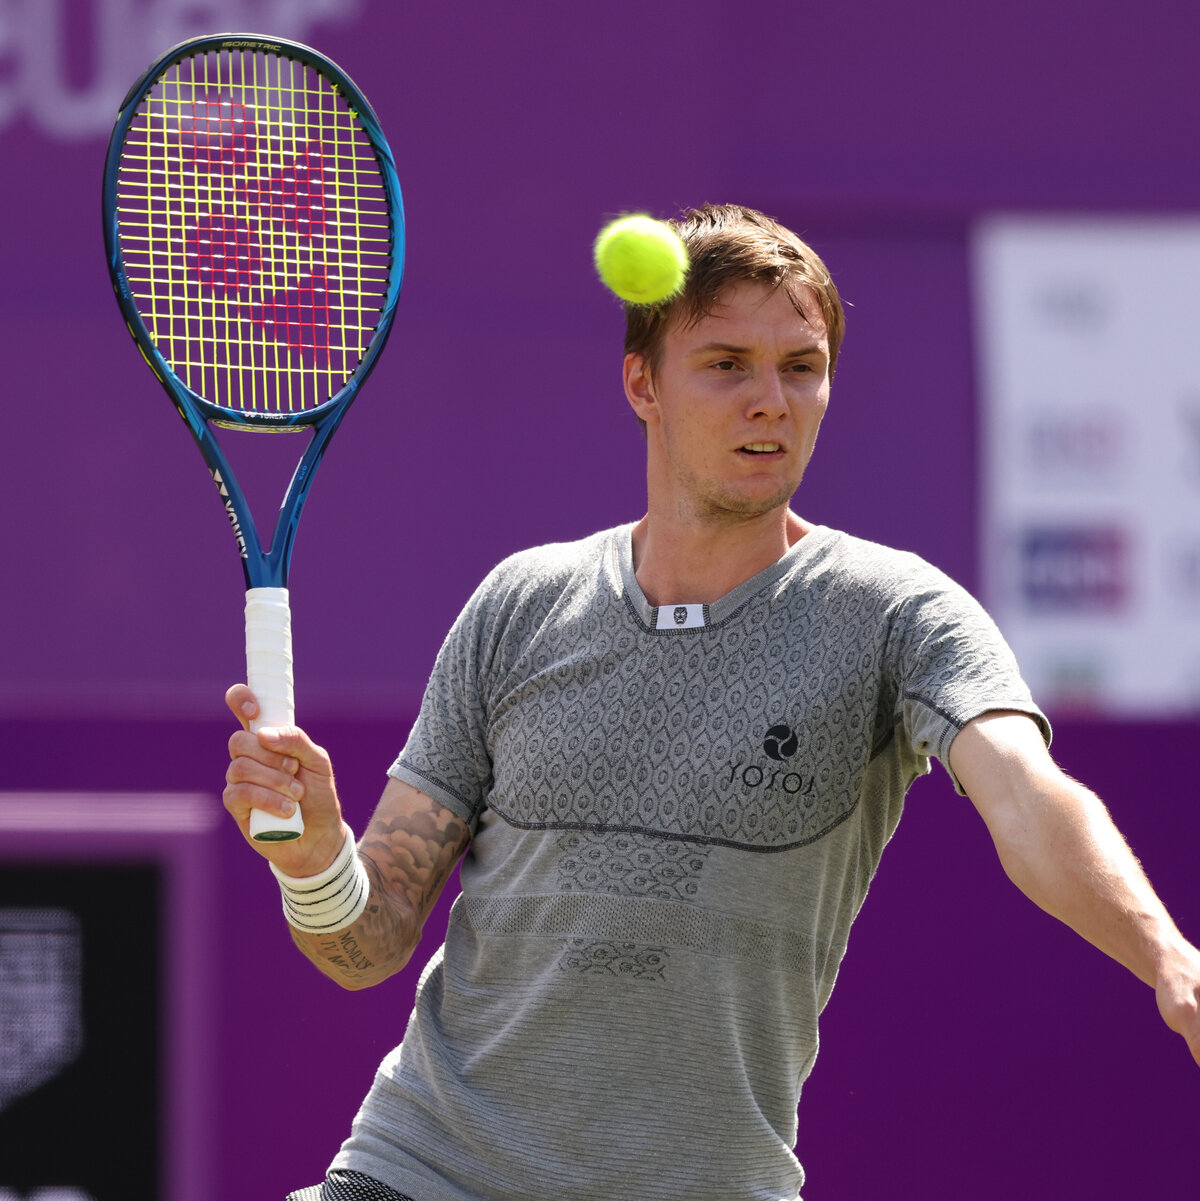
{"x": 725, "y": 365}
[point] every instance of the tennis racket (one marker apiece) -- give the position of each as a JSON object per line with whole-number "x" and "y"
{"x": 255, "y": 235}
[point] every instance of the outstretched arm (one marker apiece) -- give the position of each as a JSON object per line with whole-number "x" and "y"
{"x": 1059, "y": 845}
{"x": 408, "y": 850}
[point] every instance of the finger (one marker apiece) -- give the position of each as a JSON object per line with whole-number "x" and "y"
{"x": 244, "y": 745}
{"x": 290, "y": 742}
{"x": 280, "y": 779}
{"x": 242, "y": 704}
{"x": 242, "y": 796}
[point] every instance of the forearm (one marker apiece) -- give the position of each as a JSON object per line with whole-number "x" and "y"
{"x": 407, "y": 854}
{"x": 1064, "y": 852}
{"x": 356, "y": 912}
{"x": 1059, "y": 846}
{"x": 372, "y": 948}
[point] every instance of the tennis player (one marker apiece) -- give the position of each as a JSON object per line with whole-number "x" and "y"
{"x": 669, "y": 757}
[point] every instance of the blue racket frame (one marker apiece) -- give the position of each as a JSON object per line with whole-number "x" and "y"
{"x": 263, "y": 566}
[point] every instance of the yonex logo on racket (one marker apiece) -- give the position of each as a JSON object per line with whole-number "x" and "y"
{"x": 231, "y": 513}
{"x": 253, "y": 245}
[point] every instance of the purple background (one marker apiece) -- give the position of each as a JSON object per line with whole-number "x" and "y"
{"x": 973, "y": 1047}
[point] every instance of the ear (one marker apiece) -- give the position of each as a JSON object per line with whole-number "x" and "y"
{"x": 639, "y": 388}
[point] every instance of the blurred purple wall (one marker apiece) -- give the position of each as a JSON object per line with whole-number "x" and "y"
{"x": 972, "y": 1049}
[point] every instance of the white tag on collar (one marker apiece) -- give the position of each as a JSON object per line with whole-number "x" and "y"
{"x": 679, "y": 617}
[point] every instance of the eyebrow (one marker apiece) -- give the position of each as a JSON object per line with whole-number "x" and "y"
{"x": 732, "y": 348}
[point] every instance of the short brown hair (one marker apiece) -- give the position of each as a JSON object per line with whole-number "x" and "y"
{"x": 727, "y": 245}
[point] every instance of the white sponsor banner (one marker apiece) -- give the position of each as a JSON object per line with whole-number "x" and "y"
{"x": 111, "y": 42}
{"x": 1089, "y": 349}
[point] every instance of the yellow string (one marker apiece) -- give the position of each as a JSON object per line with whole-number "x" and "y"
{"x": 182, "y": 206}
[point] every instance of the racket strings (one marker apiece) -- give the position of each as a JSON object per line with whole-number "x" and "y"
{"x": 255, "y": 230}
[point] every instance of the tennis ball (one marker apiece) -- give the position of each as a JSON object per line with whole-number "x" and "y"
{"x": 642, "y": 260}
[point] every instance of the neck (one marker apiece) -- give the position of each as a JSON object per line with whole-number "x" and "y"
{"x": 677, "y": 563}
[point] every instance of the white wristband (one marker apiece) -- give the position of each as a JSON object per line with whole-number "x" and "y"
{"x": 331, "y": 900}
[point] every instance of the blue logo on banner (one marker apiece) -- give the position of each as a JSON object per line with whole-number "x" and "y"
{"x": 1074, "y": 568}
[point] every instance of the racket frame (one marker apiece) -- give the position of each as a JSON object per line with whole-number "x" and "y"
{"x": 266, "y": 568}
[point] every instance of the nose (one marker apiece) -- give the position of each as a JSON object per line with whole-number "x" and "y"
{"x": 768, "y": 399}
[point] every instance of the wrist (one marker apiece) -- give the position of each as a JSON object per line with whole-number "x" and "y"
{"x": 330, "y": 900}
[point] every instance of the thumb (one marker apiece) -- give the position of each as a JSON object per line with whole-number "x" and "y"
{"x": 242, "y": 704}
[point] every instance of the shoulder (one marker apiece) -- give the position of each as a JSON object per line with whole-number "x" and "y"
{"x": 535, "y": 578}
{"x": 891, "y": 574}
{"x": 552, "y": 564}
{"x": 915, "y": 603}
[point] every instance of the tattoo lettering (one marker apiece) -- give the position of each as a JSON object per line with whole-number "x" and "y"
{"x": 341, "y": 951}
{"x": 353, "y": 952}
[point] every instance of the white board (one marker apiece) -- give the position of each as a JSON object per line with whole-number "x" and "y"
{"x": 1088, "y": 337}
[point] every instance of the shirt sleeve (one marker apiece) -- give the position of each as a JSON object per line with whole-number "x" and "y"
{"x": 446, "y": 755}
{"x": 952, "y": 665}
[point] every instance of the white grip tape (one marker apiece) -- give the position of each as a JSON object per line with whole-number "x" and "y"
{"x": 269, "y": 656}
{"x": 269, "y": 675}
{"x": 331, "y": 900}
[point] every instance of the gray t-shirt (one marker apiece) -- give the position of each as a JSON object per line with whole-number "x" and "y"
{"x": 676, "y": 812}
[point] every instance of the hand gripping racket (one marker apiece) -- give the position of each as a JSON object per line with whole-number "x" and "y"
{"x": 255, "y": 235}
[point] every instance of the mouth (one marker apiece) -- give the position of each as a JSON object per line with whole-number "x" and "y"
{"x": 760, "y": 448}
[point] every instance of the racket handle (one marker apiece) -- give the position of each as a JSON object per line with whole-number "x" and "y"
{"x": 269, "y": 675}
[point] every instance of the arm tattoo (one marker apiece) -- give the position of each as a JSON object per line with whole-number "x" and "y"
{"x": 341, "y": 951}
{"x": 408, "y": 858}
{"x": 415, "y": 853}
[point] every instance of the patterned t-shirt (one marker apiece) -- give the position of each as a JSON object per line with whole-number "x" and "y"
{"x": 676, "y": 814}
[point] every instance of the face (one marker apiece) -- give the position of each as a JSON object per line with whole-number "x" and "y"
{"x": 733, "y": 409}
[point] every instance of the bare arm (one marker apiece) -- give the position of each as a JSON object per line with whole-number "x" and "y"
{"x": 1059, "y": 845}
{"x": 409, "y": 848}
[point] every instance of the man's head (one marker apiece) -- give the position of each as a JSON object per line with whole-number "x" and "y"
{"x": 730, "y": 380}
{"x": 728, "y": 245}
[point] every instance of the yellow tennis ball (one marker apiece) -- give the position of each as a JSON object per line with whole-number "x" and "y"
{"x": 642, "y": 260}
